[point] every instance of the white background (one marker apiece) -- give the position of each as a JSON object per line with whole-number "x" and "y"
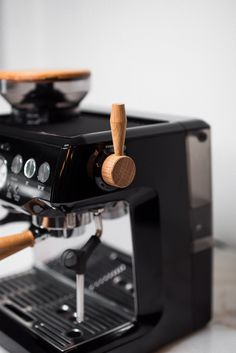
{"x": 176, "y": 56}
{"x": 171, "y": 56}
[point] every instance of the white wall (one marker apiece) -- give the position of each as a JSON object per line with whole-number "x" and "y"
{"x": 176, "y": 56}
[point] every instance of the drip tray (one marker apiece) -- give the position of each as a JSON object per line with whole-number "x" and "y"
{"x": 45, "y": 306}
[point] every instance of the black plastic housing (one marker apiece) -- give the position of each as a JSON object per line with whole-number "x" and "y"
{"x": 173, "y": 265}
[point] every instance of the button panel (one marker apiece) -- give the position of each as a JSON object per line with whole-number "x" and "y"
{"x": 26, "y": 170}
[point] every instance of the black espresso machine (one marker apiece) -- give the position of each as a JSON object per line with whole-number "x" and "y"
{"x": 118, "y": 213}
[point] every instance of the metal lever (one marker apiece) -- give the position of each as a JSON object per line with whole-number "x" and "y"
{"x": 76, "y": 259}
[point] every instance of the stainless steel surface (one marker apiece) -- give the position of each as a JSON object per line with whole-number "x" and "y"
{"x": 97, "y": 215}
{"x": 219, "y": 335}
{"x": 45, "y": 306}
{"x": 80, "y": 298}
{"x": 98, "y": 222}
{"x": 115, "y": 210}
{"x": 69, "y": 222}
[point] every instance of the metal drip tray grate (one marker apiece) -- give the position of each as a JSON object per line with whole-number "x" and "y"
{"x": 109, "y": 273}
{"x": 46, "y": 307}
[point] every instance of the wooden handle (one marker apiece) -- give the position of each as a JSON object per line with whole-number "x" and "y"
{"x": 118, "y": 170}
{"x": 13, "y": 243}
{"x": 118, "y": 122}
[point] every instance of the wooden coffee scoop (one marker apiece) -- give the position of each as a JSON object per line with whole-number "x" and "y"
{"x": 11, "y": 244}
{"x": 118, "y": 169}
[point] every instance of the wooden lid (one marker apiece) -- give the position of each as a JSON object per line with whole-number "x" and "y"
{"x": 48, "y": 75}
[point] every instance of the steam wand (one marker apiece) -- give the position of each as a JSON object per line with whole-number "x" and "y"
{"x": 76, "y": 259}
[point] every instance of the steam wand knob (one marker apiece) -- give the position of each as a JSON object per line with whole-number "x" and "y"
{"x": 76, "y": 259}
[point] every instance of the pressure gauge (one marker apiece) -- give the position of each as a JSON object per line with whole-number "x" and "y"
{"x": 30, "y": 168}
{"x": 17, "y": 164}
{"x": 44, "y": 172}
{"x": 3, "y": 172}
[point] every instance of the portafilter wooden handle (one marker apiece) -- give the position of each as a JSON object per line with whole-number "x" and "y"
{"x": 11, "y": 244}
{"x": 118, "y": 170}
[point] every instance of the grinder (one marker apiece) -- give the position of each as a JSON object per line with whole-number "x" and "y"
{"x": 119, "y": 214}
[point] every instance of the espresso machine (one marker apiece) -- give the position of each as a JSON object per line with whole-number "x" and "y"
{"x": 97, "y": 284}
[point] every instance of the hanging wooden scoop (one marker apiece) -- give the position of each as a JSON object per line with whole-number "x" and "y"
{"x": 118, "y": 169}
{"x": 11, "y": 244}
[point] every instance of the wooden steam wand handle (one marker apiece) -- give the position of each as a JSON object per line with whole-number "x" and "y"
{"x": 118, "y": 122}
{"x": 118, "y": 170}
{"x": 11, "y": 244}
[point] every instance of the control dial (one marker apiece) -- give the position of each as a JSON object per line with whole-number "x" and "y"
{"x": 30, "y": 168}
{"x": 3, "y": 172}
{"x": 44, "y": 172}
{"x": 17, "y": 164}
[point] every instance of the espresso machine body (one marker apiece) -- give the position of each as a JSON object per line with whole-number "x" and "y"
{"x": 169, "y": 205}
{"x": 131, "y": 287}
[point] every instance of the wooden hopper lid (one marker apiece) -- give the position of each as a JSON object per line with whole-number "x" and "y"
{"x": 46, "y": 75}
